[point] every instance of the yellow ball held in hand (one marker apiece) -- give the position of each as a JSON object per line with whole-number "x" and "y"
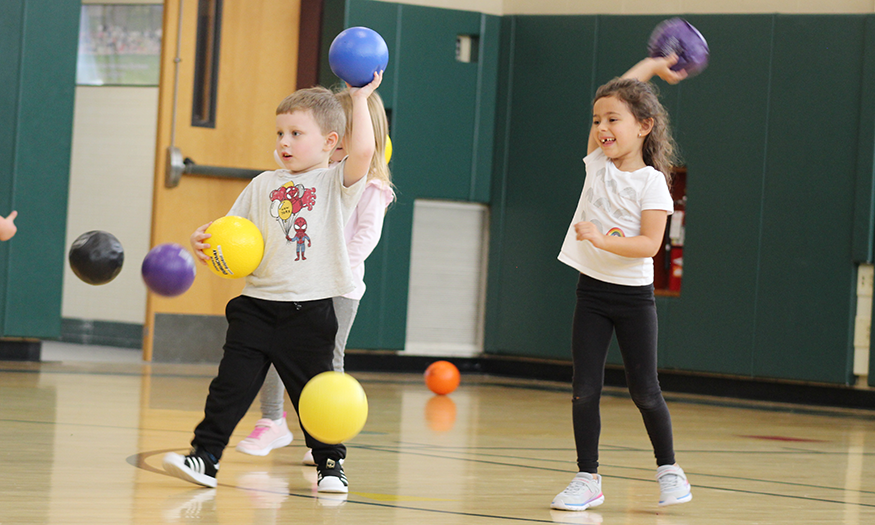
{"x": 236, "y": 247}
{"x": 333, "y": 407}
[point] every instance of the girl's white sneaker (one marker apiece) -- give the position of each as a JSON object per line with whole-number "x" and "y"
{"x": 673, "y": 485}
{"x": 584, "y": 491}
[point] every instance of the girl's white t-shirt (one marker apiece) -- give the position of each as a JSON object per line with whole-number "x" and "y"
{"x": 613, "y": 200}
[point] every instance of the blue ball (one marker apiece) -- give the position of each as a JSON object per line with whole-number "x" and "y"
{"x": 168, "y": 269}
{"x": 356, "y": 54}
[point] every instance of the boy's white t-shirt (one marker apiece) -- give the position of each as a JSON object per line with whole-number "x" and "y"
{"x": 301, "y": 218}
{"x": 613, "y": 200}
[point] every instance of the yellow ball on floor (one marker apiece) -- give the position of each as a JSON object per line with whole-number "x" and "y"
{"x": 236, "y": 247}
{"x": 333, "y": 407}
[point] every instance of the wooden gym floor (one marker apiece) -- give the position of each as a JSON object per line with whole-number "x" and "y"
{"x": 82, "y": 441}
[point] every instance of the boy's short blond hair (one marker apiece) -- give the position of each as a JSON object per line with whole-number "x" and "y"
{"x": 326, "y": 109}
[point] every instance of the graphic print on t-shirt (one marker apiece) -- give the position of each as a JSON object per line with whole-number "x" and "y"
{"x": 615, "y": 232}
{"x": 286, "y": 203}
{"x": 600, "y": 195}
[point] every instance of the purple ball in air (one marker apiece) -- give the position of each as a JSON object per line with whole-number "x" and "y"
{"x": 356, "y": 54}
{"x": 678, "y": 36}
{"x": 168, "y": 270}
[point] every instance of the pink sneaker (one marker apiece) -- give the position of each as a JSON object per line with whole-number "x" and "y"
{"x": 266, "y": 436}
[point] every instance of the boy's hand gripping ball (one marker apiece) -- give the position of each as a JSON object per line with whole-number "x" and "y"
{"x": 356, "y": 54}
{"x": 236, "y": 247}
{"x": 678, "y": 36}
{"x": 333, "y": 407}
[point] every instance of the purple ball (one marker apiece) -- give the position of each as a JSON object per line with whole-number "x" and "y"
{"x": 678, "y": 36}
{"x": 168, "y": 269}
{"x": 356, "y": 54}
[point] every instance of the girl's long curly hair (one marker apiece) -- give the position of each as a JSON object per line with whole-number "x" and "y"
{"x": 642, "y": 99}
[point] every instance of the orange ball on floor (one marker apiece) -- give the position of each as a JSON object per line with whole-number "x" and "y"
{"x": 442, "y": 377}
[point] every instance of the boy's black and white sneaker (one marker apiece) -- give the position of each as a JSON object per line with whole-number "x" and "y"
{"x": 198, "y": 467}
{"x": 331, "y": 477}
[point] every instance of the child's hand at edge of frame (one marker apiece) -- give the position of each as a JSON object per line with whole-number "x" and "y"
{"x": 7, "y": 226}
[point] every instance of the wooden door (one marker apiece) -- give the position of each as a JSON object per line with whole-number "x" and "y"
{"x": 257, "y": 66}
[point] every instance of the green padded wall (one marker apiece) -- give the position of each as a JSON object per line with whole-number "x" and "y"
{"x": 38, "y": 42}
{"x": 778, "y": 215}
{"x": 805, "y": 308}
{"x": 542, "y": 134}
{"x": 774, "y": 205}
{"x": 333, "y": 22}
{"x": 382, "y": 17}
{"x": 864, "y": 202}
{"x": 724, "y": 151}
{"x": 442, "y": 125}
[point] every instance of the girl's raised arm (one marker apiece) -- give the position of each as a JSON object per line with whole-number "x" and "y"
{"x": 661, "y": 67}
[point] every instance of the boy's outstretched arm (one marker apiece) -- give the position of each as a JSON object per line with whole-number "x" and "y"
{"x": 361, "y": 142}
{"x": 650, "y": 67}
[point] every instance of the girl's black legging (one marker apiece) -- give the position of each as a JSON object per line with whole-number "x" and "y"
{"x": 630, "y": 311}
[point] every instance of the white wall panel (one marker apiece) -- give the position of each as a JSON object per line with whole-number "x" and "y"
{"x": 447, "y": 276}
{"x": 111, "y": 174}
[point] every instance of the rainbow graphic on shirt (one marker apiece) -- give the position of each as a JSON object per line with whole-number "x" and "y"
{"x": 615, "y": 232}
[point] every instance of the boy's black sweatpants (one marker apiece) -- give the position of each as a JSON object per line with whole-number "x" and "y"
{"x": 297, "y": 337}
{"x": 630, "y": 311}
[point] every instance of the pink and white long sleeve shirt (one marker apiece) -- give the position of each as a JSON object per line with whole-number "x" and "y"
{"x": 363, "y": 231}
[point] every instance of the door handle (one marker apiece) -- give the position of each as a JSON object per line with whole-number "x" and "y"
{"x": 177, "y": 166}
